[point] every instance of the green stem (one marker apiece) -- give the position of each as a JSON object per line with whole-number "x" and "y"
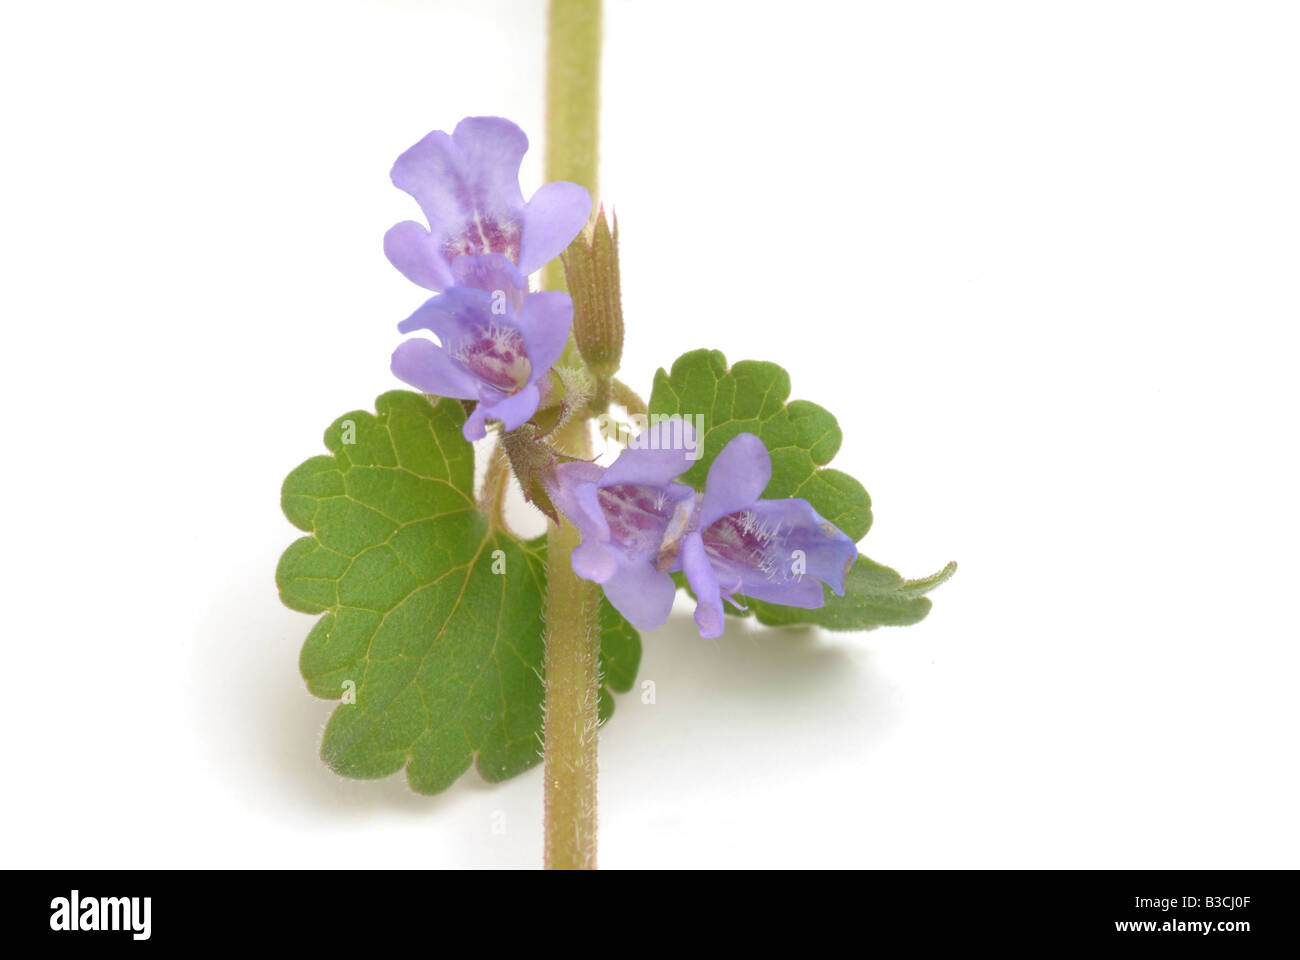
{"x": 572, "y": 670}
{"x": 600, "y": 399}
{"x": 495, "y": 482}
{"x": 572, "y": 604}
{"x": 629, "y": 398}
{"x": 572, "y": 102}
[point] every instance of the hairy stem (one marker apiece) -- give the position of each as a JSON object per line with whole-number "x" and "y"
{"x": 600, "y": 399}
{"x": 572, "y": 102}
{"x": 572, "y": 700}
{"x": 629, "y": 398}
{"x": 572, "y": 604}
{"x": 495, "y": 483}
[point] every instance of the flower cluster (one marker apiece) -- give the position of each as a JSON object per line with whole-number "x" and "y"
{"x": 639, "y": 526}
{"x": 496, "y": 344}
{"x": 496, "y": 340}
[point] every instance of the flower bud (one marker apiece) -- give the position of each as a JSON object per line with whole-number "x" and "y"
{"x": 591, "y": 273}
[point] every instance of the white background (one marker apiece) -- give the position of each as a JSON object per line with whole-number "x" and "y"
{"x": 1040, "y": 258}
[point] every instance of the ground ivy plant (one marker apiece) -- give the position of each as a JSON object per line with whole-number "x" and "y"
{"x": 449, "y": 640}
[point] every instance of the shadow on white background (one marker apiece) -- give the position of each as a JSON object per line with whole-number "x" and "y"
{"x": 705, "y": 715}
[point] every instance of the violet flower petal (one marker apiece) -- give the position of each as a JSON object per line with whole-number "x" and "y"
{"x": 704, "y": 583}
{"x": 414, "y": 252}
{"x": 515, "y": 410}
{"x": 737, "y": 478}
{"x": 553, "y": 217}
{"x": 642, "y": 594}
{"x": 452, "y": 315}
{"x": 827, "y": 552}
{"x": 594, "y": 560}
{"x": 491, "y": 272}
{"x": 467, "y": 184}
{"x": 544, "y": 320}
{"x": 655, "y": 457}
{"x": 475, "y": 427}
{"x": 429, "y": 368}
{"x": 574, "y": 493}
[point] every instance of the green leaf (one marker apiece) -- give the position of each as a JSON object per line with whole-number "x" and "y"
{"x": 438, "y": 650}
{"x": 751, "y": 397}
{"x": 620, "y": 655}
{"x": 874, "y": 596}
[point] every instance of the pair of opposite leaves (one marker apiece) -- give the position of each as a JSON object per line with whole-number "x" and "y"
{"x": 432, "y": 631}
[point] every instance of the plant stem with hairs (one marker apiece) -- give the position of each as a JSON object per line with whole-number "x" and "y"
{"x": 572, "y": 659}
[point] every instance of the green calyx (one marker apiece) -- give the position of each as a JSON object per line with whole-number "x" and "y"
{"x": 592, "y": 276}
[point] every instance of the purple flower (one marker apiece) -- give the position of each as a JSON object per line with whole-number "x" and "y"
{"x": 496, "y": 343}
{"x": 632, "y": 517}
{"x": 638, "y": 525}
{"x": 467, "y": 184}
{"x": 781, "y": 551}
